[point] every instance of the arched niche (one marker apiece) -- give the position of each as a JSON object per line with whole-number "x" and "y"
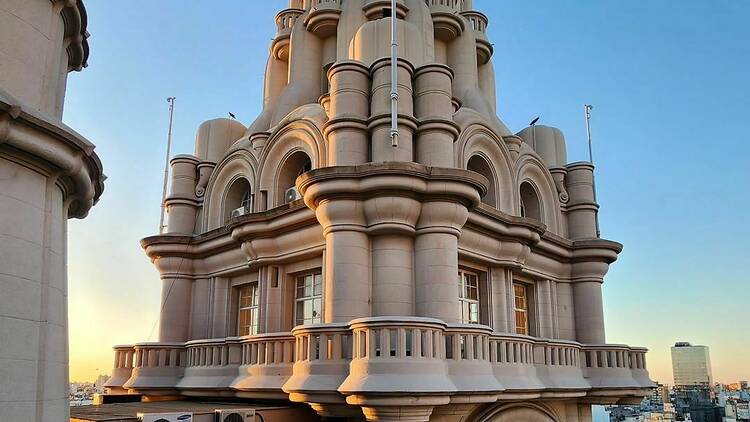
{"x": 225, "y": 186}
{"x": 480, "y": 164}
{"x": 281, "y": 154}
{"x": 526, "y": 412}
{"x": 238, "y": 198}
{"x": 533, "y": 176}
{"x": 296, "y": 163}
{"x": 478, "y": 139}
{"x": 531, "y": 206}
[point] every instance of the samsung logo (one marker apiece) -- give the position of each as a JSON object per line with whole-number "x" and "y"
{"x": 184, "y": 417}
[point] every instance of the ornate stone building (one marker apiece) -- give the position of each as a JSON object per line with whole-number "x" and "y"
{"x": 455, "y": 277}
{"x": 48, "y": 174}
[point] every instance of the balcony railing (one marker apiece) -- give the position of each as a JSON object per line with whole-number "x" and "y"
{"x": 453, "y": 6}
{"x": 324, "y": 363}
{"x": 123, "y": 368}
{"x": 267, "y": 361}
{"x": 157, "y": 366}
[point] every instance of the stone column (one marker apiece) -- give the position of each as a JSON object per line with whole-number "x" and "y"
{"x": 347, "y": 261}
{"x": 174, "y": 320}
{"x": 346, "y": 131}
{"x": 499, "y": 300}
{"x": 582, "y": 224}
{"x": 392, "y": 275}
{"x": 436, "y": 260}
{"x": 182, "y": 203}
{"x": 582, "y": 208}
{"x": 589, "y": 312}
{"x": 176, "y": 294}
{"x": 433, "y": 108}
{"x": 380, "y": 112}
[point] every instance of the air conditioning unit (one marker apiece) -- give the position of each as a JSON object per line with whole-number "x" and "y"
{"x": 239, "y": 212}
{"x": 165, "y": 417}
{"x": 292, "y": 194}
{"x": 235, "y": 415}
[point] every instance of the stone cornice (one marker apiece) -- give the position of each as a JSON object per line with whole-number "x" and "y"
{"x": 410, "y": 179}
{"x": 56, "y": 145}
{"x": 75, "y": 21}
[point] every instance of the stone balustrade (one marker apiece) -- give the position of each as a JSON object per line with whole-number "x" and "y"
{"x": 211, "y": 364}
{"x": 323, "y": 364}
{"x": 323, "y": 353}
{"x": 323, "y": 18}
{"x": 122, "y": 370}
{"x": 446, "y": 18}
{"x": 478, "y": 22}
{"x": 285, "y": 21}
{"x": 375, "y": 9}
{"x": 266, "y": 364}
{"x": 453, "y": 6}
{"x": 158, "y": 368}
{"x": 610, "y": 366}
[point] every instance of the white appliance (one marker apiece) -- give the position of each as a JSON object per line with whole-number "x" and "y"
{"x": 165, "y": 417}
{"x": 239, "y": 212}
{"x": 235, "y": 415}
{"x": 292, "y": 194}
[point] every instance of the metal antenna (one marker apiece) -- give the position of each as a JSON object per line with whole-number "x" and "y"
{"x": 394, "y": 77}
{"x": 587, "y": 110}
{"x": 170, "y": 100}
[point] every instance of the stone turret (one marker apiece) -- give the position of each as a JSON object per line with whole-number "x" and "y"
{"x": 48, "y": 174}
{"x": 454, "y": 277}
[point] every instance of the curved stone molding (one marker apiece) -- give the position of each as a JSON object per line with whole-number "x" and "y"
{"x": 75, "y": 19}
{"x": 478, "y": 22}
{"x": 446, "y": 19}
{"x": 57, "y": 148}
{"x": 374, "y": 9}
{"x": 323, "y": 18}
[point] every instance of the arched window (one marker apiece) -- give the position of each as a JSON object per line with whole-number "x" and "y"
{"x": 531, "y": 207}
{"x": 292, "y": 168}
{"x": 478, "y": 164}
{"x": 238, "y": 200}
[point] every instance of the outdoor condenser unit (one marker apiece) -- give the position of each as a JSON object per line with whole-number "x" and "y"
{"x": 165, "y": 417}
{"x": 235, "y": 415}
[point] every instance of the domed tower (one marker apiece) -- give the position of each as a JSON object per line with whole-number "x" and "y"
{"x": 48, "y": 174}
{"x": 453, "y": 276}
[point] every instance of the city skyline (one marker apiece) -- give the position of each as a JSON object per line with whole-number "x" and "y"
{"x": 171, "y": 69}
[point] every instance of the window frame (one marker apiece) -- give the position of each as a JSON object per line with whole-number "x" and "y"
{"x": 527, "y": 296}
{"x": 463, "y": 298}
{"x": 315, "y": 296}
{"x": 253, "y": 309}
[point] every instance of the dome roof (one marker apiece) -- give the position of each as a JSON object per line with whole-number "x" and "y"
{"x": 548, "y": 142}
{"x": 214, "y": 138}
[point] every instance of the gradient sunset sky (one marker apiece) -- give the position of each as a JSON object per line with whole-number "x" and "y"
{"x": 670, "y": 86}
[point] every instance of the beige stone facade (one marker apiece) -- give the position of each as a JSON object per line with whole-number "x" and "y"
{"x": 48, "y": 174}
{"x": 455, "y": 277}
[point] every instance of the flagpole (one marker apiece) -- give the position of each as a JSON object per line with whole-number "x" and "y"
{"x": 587, "y": 109}
{"x": 170, "y": 100}
{"x": 394, "y": 77}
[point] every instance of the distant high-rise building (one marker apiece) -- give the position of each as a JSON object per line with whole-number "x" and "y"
{"x": 691, "y": 365}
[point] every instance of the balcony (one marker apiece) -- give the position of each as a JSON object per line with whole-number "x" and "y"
{"x": 285, "y": 21}
{"x": 375, "y": 9}
{"x": 323, "y": 19}
{"x": 335, "y": 367}
{"x": 446, "y": 18}
{"x": 479, "y": 22}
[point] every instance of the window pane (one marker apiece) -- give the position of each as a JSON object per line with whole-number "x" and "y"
{"x": 300, "y": 313}
{"x": 318, "y": 288}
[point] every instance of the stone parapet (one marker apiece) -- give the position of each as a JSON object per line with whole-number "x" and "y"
{"x": 374, "y": 363}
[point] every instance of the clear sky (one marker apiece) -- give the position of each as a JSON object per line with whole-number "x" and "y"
{"x": 670, "y": 86}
